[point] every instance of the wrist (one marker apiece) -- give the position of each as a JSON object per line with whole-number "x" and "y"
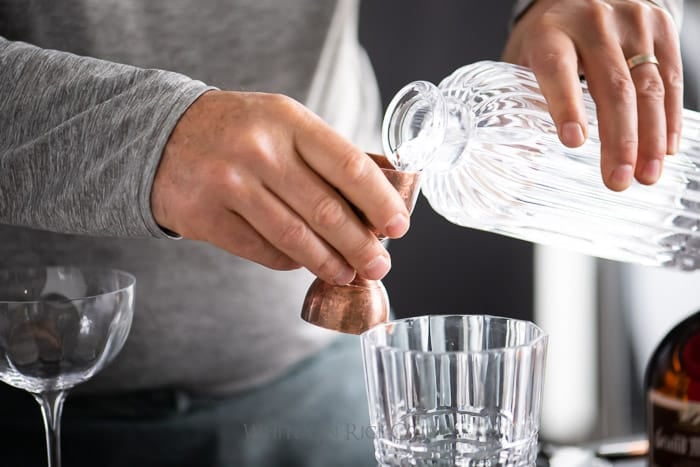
{"x": 167, "y": 179}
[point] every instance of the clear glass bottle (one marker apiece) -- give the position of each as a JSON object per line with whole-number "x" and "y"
{"x": 492, "y": 161}
{"x": 672, "y": 384}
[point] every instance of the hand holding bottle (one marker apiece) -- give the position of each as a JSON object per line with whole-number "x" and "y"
{"x": 612, "y": 43}
{"x": 262, "y": 177}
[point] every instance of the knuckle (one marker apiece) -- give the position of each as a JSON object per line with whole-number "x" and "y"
{"x": 622, "y": 88}
{"x": 665, "y": 23}
{"x": 289, "y": 107}
{"x": 293, "y": 235}
{"x": 327, "y": 266}
{"x": 260, "y": 147}
{"x": 650, "y": 88}
{"x": 365, "y": 249}
{"x": 261, "y": 159}
{"x": 674, "y": 79}
{"x": 355, "y": 169}
{"x": 549, "y": 63}
{"x": 329, "y": 214}
{"x": 597, "y": 15}
{"x": 268, "y": 158}
{"x": 638, "y": 12}
{"x": 233, "y": 182}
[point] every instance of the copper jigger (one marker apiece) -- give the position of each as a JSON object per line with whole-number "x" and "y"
{"x": 363, "y": 303}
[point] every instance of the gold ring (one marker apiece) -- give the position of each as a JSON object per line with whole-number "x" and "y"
{"x": 641, "y": 59}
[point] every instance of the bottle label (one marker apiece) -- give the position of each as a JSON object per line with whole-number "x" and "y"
{"x": 674, "y": 431}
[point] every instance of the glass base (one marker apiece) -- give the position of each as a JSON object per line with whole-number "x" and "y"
{"x": 456, "y": 454}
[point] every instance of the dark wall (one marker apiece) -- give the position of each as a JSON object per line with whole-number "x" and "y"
{"x": 439, "y": 267}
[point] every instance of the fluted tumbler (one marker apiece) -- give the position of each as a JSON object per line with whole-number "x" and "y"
{"x": 455, "y": 390}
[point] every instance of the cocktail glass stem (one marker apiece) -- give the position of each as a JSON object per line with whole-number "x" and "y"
{"x": 51, "y": 404}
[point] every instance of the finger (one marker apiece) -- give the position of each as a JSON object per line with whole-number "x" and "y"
{"x": 637, "y": 32}
{"x": 282, "y": 227}
{"x": 555, "y": 64}
{"x": 651, "y": 117}
{"x": 354, "y": 174}
{"x": 667, "y": 51}
{"x": 614, "y": 93}
{"x": 330, "y": 217}
{"x": 235, "y": 235}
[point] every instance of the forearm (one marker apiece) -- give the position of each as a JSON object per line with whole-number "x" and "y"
{"x": 81, "y": 139}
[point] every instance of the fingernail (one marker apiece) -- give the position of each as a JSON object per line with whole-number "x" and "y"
{"x": 345, "y": 276}
{"x": 652, "y": 171}
{"x": 397, "y": 226}
{"x": 621, "y": 176}
{"x": 674, "y": 142}
{"x": 377, "y": 268}
{"x": 572, "y": 134}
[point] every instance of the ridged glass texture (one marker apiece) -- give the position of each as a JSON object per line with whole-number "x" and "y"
{"x": 448, "y": 391}
{"x": 500, "y": 167}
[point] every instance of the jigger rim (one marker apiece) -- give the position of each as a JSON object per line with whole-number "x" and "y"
{"x": 385, "y": 164}
{"x": 366, "y": 338}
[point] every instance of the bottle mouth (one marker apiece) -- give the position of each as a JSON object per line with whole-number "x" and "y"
{"x": 414, "y": 126}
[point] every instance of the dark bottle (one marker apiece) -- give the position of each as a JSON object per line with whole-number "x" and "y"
{"x": 672, "y": 385}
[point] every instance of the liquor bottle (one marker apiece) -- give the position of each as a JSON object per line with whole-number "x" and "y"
{"x": 492, "y": 160}
{"x": 672, "y": 385}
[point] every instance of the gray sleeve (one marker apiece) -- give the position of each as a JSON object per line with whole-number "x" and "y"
{"x": 81, "y": 139}
{"x": 674, "y": 7}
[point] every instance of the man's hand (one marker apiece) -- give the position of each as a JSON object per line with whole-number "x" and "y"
{"x": 639, "y": 109}
{"x": 262, "y": 177}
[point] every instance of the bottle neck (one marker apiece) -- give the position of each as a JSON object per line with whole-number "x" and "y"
{"x": 414, "y": 126}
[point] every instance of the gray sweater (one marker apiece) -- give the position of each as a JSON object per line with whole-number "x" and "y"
{"x": 80, "y": 139}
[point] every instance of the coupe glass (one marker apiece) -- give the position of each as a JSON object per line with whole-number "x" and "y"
{"x": 58, "y": 327}
{"x": 454, "y": 390}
